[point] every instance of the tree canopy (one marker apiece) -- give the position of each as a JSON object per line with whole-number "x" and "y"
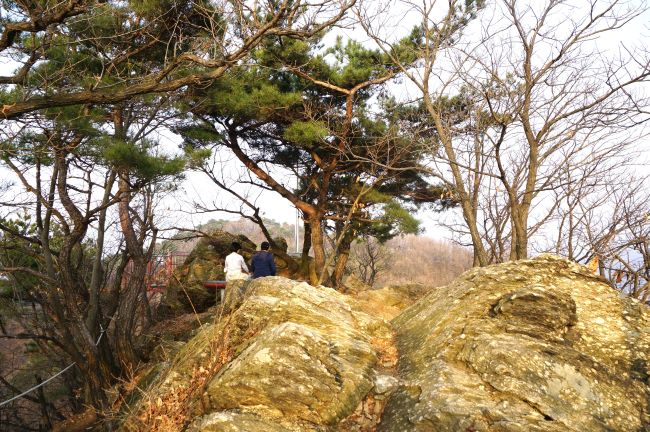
{"x": 310, "y": 112}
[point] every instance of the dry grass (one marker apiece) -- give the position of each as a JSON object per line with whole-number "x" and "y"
{"x": 172, "y": 411}
{"x": 174, "y": 408}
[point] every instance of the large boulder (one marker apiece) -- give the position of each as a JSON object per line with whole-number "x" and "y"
{"x": 290, "y": 357}
{"x": 535, "y": 345}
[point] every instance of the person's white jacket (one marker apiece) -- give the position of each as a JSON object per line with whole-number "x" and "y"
{"x": 235, "y": 267}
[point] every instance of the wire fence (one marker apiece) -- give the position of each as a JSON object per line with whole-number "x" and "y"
{"x": 62, "y": 371}
{"x": 159, "y": 272}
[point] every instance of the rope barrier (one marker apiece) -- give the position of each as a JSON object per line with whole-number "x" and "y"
{"x": 26, "y": 392}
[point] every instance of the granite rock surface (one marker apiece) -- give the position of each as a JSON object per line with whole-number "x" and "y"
{"x": 533, "y": 345}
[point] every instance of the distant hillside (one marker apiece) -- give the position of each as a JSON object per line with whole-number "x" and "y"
{"x": 404, "y": 259}
{"x": 420, "y": 259}
{"x": 185, "y": 241}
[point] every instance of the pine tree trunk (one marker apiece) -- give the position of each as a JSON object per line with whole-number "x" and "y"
{"x": 125, "y": 326}
{"x": 318, "y": 246}
{"x": 342, "y": 256}
{"x": 95, "y": 368}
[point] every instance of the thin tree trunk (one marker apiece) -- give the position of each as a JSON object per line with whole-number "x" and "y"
{"x": 468, "y": 207}
{"x": 520, "y": 233}
{"x": 92, "y": 319}
{"x": 43, "y": 403}
{"x": 341, "y": 261}
{"x": 95, "y": 369}
{"x": 306, "y": 246}
{"x": 318, "y": 246}
{"x": 128, "y": 305}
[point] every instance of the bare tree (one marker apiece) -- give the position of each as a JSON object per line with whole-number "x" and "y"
{"x": 530, "y": 93}
{"x": 439, "y": 26}
{"x": 370, "y": 259}
{"x": 574, "y": 105}
{"x": 605, "y": 221}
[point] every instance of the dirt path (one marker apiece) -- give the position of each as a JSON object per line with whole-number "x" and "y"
{"x": 368, "y": 414}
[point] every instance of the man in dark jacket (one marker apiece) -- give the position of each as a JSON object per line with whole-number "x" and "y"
{"x": 262, "y": 263}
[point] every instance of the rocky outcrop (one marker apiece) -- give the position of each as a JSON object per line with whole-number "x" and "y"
{"x": 535, "y": 345}
{"x": 205, "y": 262}
{"x": 186, "y": 291}
{"x": 289, "y": 357}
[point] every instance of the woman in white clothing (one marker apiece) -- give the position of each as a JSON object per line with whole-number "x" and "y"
{"x": 235, "y": 267}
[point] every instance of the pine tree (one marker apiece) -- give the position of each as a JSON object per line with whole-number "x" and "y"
{"x": 310, "y": 111}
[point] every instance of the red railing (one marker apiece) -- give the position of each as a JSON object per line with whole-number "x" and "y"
{"x": 160, "y": 270}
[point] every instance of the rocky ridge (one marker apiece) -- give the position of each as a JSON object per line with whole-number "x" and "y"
{"x": 535, "y": 345}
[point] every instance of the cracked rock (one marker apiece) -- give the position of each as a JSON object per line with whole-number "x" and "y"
{"x": 546, "y": 346}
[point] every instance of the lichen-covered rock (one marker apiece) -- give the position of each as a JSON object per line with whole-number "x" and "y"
{"x": 290, "y": 357}
{"x": 281, "y": 243}
{"x": 329, "y": 374}
{"x": 232, "y": 421}
{"x": 234, "y": 294}
{"x": 535, "y": 345}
